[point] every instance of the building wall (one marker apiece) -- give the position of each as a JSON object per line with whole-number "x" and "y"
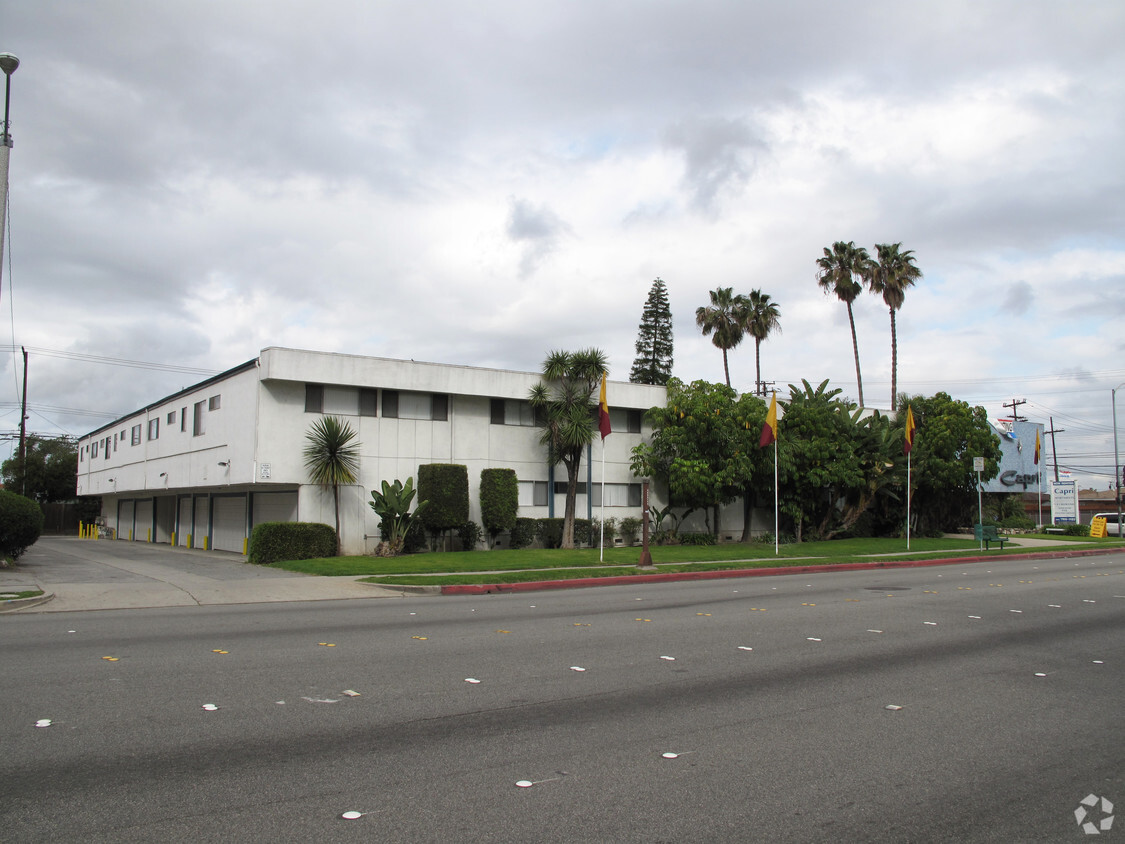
{"x": 259, "y": 430}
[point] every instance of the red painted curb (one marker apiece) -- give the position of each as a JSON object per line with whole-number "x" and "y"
{"x": 625, "y": 579}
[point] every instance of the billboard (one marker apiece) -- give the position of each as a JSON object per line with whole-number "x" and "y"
{"x": 1018, "y": 470}
{"x": 1064, "y": 502}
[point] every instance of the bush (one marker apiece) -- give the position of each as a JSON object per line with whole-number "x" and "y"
{"x": 446, "y": 487}
{"x": 630, "y": 527}
{"x": 583, "y": 534}
{"x": 697, "y": 539}
{"x": 523, "y": 534}
{"x": 1076, "y": 530}
{"x": 549, "y": 532}
{"x": 1017, "y": 523}
{"x": 274, "y": 541}
{"x": 21, "y": 523}
{"x": 499, "y": 500}
{"x": 470, "y": 535}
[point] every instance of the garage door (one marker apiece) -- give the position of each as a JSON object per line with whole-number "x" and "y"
{"x": 183, "y": 523}
{"x": 143, "y": 531}
{"x": 199, "y": 531}
{"x": 125, "y": 519}
{"x": 275, "y": 507}
{"x": 229, "y": 531}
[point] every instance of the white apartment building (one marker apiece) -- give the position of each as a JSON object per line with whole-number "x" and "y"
{"x": 202, "y": 466}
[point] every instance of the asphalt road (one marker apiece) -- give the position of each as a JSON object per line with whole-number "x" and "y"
{"x": 773, "y": 693}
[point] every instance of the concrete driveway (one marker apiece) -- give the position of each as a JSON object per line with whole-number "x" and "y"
{"x": 93, "y": 574}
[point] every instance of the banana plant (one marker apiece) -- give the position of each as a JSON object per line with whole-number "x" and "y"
{"x": 392, "y": 506}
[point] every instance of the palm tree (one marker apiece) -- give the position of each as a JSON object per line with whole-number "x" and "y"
{"x": 889, "y": 276}
{"x": 331, "y": 458}
{"x": 763, "y": 317}
{"x": 724, "y": 318}
{"x": 564, "y": 405}
{"x": 839, "y": 269}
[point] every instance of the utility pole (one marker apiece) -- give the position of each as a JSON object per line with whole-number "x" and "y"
{"x": 23, "y": 428}
{"x": 1054, "y": 450}
{"x": 1014, "y": 405}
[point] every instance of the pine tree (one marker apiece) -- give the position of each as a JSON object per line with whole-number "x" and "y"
{"x": 653, "y": 364}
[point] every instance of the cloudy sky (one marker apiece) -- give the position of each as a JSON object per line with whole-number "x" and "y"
{"x": 482, "y": 183}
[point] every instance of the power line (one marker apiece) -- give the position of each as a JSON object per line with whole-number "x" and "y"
{"x": 110, "y": 361}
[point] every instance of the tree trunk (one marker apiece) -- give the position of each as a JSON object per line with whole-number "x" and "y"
{"x": 726, "y": 368}
{"x": 855, "y": 351}
{"x": 571, "y": 494}
{"x": 759, "y": 390}
{"x": 748, "y": 497}
{"x": 336, "y": 501}
{"x": 894, "y": 362}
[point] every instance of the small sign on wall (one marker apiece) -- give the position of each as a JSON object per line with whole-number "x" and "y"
{"x": 264, "y": 471}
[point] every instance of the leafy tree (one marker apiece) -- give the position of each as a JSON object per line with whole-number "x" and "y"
{"x": 704, "y": 446}
{"x": 892, "y": 272}
{"x": 332, "y": 458}
{"x": 839, "y": 272}
{"x": 653, "y": 364}
{"x": 949, "y": 435}
{"x": 21, "y": 523}
{"x": 564, "y": 404}
{"x": 723, "y": 321}
{"x": 392, "y": 505}
{"x": 48, "y": 472}
{"x": 763, "y": 317}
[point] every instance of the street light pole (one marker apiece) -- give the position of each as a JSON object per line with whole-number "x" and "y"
{"x": 8, "y": 64}
{"x": 1116, "y": 458}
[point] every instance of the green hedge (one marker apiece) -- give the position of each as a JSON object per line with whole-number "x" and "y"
{"x": 446, "y": 487}
{"x": 523, "y": 534}
{"x": 21, "y": 523}
{"x": 274, "y": 541}
{"x": 499, "y": 500}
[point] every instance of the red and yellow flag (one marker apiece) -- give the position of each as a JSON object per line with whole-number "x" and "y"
{"x": 769, "y": 430}
{"x": 603, "y": 412}
{"x": 1036, "y": 446}
{"x": 908, "y": 443}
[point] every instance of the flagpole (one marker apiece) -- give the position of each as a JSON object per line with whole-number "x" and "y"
{"x": 601, "y": 514}
{"x": 908, "y": 501}
{"x": 776, "y": 539}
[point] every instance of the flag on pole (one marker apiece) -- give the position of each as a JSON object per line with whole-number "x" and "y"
{"x": 769, "y": 430}
{"x": 1036, "y": 446}
{"x": 910, "y": 426}
{"x": 603, "y": 413}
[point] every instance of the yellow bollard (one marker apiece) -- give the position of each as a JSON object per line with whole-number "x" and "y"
{"x": 173, "y": 539}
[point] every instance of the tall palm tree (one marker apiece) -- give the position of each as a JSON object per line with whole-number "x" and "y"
{"x": 724, "y": 318}
{"x": 889, "y": 276}
{"x": 840, "y": 268}
{"x": 564, "y": 405}
{"x": 763, "y": 317}
{"x": 332, "y": 458}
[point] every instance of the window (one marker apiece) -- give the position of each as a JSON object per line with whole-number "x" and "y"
{"x": 136, "y": 440}
{"x": 198, "y": 423}
{"x": 560, "y": 488}
{"x": 213, "y": 403}
{"x": 94, "y": 450}
{"x": 183, "y": 419}
{"x": 617, "y": 495}
{"x": 341, "y": 401}
{"x": 122, "y": 437}
{"x": 153, "y": 429}
{"x": 512, "y": 412}
{"x": 171, "y": 420}
{"x": 426, "y": 406}
{"x": 108, "y": 440}
{"x": 532, "y": 494}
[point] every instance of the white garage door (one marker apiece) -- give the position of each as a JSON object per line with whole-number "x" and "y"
{"x": 143, "y": 530}
{"x": 199, "y": 530}
{"x": 125, "y": 519}
{"x": 183, "y": 524}
{"x": 275, "y": 507}
{"x": 229, "y": 528}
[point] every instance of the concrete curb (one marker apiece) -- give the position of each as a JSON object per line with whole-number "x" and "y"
{"x": 626, "y": 579}
{"x": 23, "y": 603}
{"x": 403, "y": 591}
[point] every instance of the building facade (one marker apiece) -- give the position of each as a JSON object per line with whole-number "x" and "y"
{"x": 201, "y": 467}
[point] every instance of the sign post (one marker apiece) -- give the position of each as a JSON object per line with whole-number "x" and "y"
{"x": 978, "y": 467}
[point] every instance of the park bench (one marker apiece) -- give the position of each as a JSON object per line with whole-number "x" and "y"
{"x": 987, "y": 534}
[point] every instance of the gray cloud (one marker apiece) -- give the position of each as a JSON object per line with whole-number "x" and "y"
{"x": 720, "y": 155}
{"x": 537, "y": 229}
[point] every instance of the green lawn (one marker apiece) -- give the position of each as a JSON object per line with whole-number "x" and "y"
{"x": 534, "y": 564}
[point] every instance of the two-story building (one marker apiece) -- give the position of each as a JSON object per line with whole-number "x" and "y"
{"x": 202, "y": 466}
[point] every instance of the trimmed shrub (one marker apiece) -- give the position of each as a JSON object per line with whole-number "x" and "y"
{"x": 523, "y": 534}
{"x": 446, "y": 487}
{"x": 583, "y": 534}
{"x": 630, "y": 527}
{"x": 549, "y": 532}
{"x": 470, "y": 536}
{"x": 21, "y": 523}
{"x": 1076, "y": 530}
{"x": 499, "y": 500}
{"x": 697, "y": 539}
{"x": 274, "y": 541}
